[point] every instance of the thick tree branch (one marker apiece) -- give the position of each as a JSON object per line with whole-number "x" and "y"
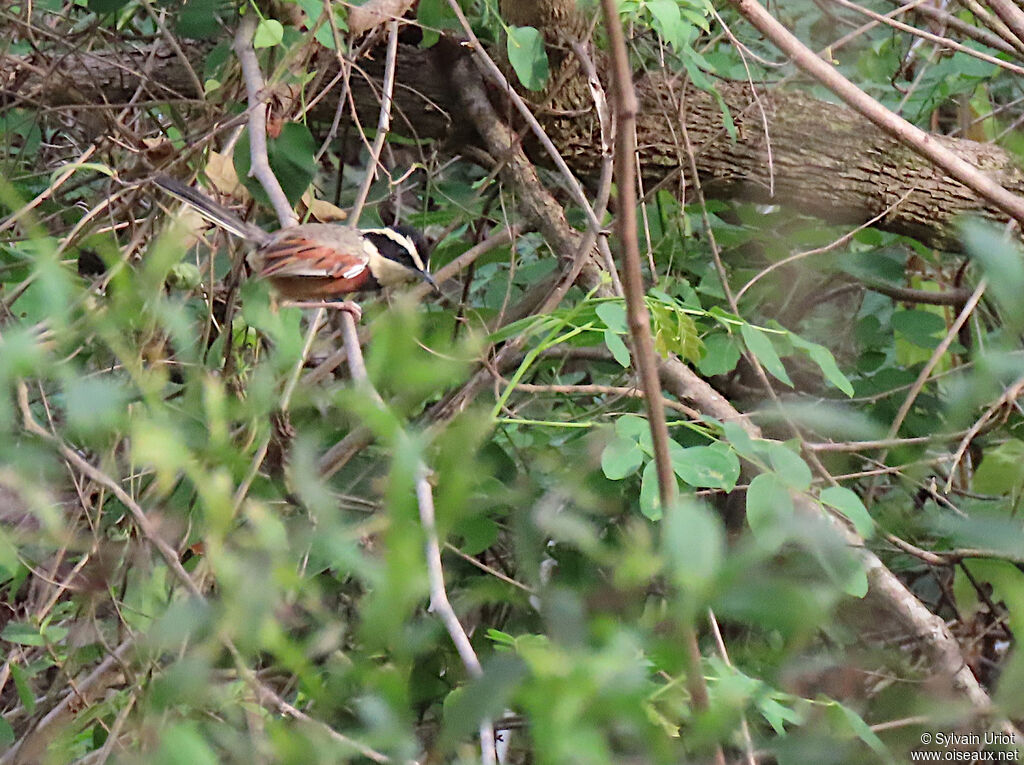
{"x": 827, "y": 160}
{"x": 911, "y": 135}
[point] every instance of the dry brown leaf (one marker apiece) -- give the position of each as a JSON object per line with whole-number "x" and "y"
{"x": 221, "y": 172}
{"x": 321, "y": 210}
{"x": 374, "y": 13}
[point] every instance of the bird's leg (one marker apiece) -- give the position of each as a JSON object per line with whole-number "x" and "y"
{"x": 348, "y": 305}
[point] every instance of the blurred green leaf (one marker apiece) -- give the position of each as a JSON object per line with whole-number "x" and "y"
{"x": 650, "y": 493}
{"x": 1002, "y": 469}
{"x": 693, "y": 542}
{"x": 721, "y": 353}
{"x": 759, "y": 344}
{"x": 526, "y": 53}
{"x": 621, "y": 457}
{"x": 769, "y": 510}
{"x": 200, "y": 19}
{"x": 850, "y": 505}
{"x": 705, "y": 467}
{"x": 826, "y": 362}
{"x": 6, "y": 733}
{"x": 617, "y": 348}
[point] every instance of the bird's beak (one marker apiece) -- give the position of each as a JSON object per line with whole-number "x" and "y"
{"x": 430, "y": 280}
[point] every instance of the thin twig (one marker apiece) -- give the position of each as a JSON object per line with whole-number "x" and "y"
{"x": 908, "y": 134}
{"x": 748, "y": 742}
{"x": 636, "y": 309}
{"x": 1010, "y": 394}
{"x": 260, "y": 164}
{"x": 439, "y": 603}
{"x": 492, "y": 72}
{"x": 937, "y": 354}
{"x": 383, "y": 123}
{"x": 932, "y": 38}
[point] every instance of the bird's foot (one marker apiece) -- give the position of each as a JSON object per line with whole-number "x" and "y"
{"x": 350, "y": 306}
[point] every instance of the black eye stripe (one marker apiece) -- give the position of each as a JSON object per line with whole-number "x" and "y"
{"x": 390, "y": 249}
{"x": 415, "y": 236}
{"x": 393, "y": 249}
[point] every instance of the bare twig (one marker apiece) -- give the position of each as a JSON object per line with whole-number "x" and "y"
{"x": 636, "y": 309}
{"x": 492, "y": 72}
{"x": 383, "y": 123}
{"x": 1011, "y": 15}
{"x": 260, "y": 165}
{"x": 936, "y": 39}
{"x": 992, "y": 22}
{"x": 439, "y": 602}
{"x": 915, "y": 138}
{"x": 937, "y": 354}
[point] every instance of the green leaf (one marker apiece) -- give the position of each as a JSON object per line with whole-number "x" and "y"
{"x": 1001, "y": 470}
{"x": 617, "y": 348}
{"x": 434, "y": 15}
{"x": 620, "y": 458}
{"x": 291, "y": 157}
{"x": 922, "y": 328}
{"x": 650, "y": 495}
{"x": 269, "y": 33}
{"x": 740, "y": 440}
{"x": 668, "y": 22}
{"x": 760, "y": 345}
{"x": 6, "y": 733}
{"x": 527, "y": 55}
{"x": 705, "y": 467}
{"x": 182, "y": 744}
{"x": 9, "y": 561}
{"x": 721, "y": 352}
{"x": 693, "y": 543}
{"x": 106, "y": 6}
{"x": 95, "y": 404}
{"x": 769, "y": 510}
{"x": 23, "y": 687}
{"x": 613, "y": 314}
{"x": 787, "y": 464}
{"x": 826, "y": 362}
{"x": 1003, "y": 264}
{"x": 850, "y": 505}
{"x": 314, "y": 13}
{"x": 199, "y": 19}
{"x": 855, "y": 723}
{"x": 635, "y": 427}
{"x": 478, "y": 533}
{"x": 22, "y": 634}
{"x": 674, "y": 331}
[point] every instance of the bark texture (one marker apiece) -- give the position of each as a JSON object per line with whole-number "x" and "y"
{"x": 817, "y": 157}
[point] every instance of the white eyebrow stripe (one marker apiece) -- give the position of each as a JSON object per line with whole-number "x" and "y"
{"x": 403, "y": 240}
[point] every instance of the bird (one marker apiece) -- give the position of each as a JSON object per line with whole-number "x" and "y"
{"x": 316, "y": 264}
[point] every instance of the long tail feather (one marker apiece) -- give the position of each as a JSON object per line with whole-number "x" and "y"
{"x": 212, "y": 211}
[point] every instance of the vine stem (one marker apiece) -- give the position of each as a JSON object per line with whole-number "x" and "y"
{"x": 637, "y": 317}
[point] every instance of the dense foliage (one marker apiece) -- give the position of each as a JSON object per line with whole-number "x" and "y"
{"x": 144, "y": 376}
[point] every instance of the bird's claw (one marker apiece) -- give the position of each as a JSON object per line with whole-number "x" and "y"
{"x": 350, "y": 306}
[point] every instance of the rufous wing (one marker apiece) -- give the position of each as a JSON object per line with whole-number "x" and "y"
{"x": 302, "y": 268}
